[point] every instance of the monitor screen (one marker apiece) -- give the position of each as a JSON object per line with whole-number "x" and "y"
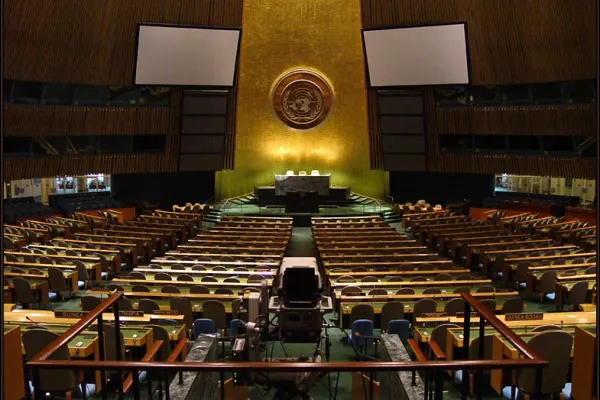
{"x": 300, "y": 285}
{"x": 188, "y": 56}
{"x": 415, "y": 56}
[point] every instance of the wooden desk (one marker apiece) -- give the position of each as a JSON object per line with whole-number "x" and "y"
{"x": 562, "y": 289}
{"x": 238, "y": 263}
{"x": 71, "y": 278}
{"x": 13, "y": 383}
{"x": 95, "y": 269}
{"x": 585, "y": 366}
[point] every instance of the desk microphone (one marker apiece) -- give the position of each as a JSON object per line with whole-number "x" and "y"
{"x": 561, "y": 324}
{"x": 32, "y": 321}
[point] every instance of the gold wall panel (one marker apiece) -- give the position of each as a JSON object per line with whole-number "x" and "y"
{"x": 281, "y": 35}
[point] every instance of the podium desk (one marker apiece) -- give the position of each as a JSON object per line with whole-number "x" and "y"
{"x": 301, "y": 183}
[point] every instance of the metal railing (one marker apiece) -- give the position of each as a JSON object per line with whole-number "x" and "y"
{"x": 378, "y": 202}
{"x": 437, "y": 369}
{"x": 224, "y": 206}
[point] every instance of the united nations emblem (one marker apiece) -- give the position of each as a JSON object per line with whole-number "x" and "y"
{"x": 302, "y": 99}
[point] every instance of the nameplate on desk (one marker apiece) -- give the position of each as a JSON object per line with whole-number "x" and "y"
{"x": 165, "y": 312}
{"x": 462, "y": 314}
{"x": 434, "y": 315}
{"x": 69, "y": 314}
{"x": 524, "y": 316}
{"x": 131, "y": 313}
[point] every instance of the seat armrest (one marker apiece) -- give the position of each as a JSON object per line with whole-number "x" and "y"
{"x": 437, "y": 351}
{"x": 148, "y": 357}
{"x": 414, "y": 346}
{"x": 177, "y": 350}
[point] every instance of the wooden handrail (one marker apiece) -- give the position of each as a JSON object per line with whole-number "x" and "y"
{"x": 76, "y": 329}
{"x": 364, "y": 366}
{"x": 504, "y": 330}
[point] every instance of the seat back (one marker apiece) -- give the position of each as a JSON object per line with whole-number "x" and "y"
{"x": 125, "y": 304}
{"x": 160, "y": 333}
{"x": 514, "y": 305}
{"x": 442, "y": 277}
{"x": 424, "y": 306}
{"x": 148, "y": 306}
{"x": 204, "y": 326}
{"x": 36, "y": 340}
{"x": 170, "y": 289}
{"x": 223, "y": 291}
{"x": 362, "y": 327}
{"x": 82, "y": 272}
{"x": 161, "y": 276}
{"x": 578, "y": 294}
{"x": 215, "y": 310}
{"x": 199, "y": 289}
{"x": 88, "y": 303}
{"x": 362, "y": 311}
{"x": 490, "y": 304}
{"x": 454, "y": 306}
{"x": 547, "y": 281}
{"x": 110, "y": 343}
{"x": 56, "y": 280}
{"x": 406, "y": 291}
{"x": 351, "y": 291}
{"x": 392, "y": 310}
{"x": 439, "y": 334}
{"x": 140, "y": 288}
{"x": 400, "y": 327}
{"x": 137, "y": 275}
{"x": 184, "y": 307}
{"x": 432, "y": 290}
{"x": 555, "y": 347}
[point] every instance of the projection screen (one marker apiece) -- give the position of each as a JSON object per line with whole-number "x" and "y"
{"x": 415, "y": 56}
{"x": 190, "y": 56}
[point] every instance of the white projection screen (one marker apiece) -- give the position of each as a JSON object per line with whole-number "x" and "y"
{"x": 188, "y": 56}
{"x": 415, "y": 56}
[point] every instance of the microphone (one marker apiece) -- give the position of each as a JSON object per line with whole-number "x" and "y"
{"x": 32, "y": 321}
{"x": 561, "y": 324}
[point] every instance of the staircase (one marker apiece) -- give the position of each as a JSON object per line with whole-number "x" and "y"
{"x": 212, "y": 217}
{"x": 391, "y": 217}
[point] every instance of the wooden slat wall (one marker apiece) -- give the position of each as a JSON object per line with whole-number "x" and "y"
{"x": 374, "y": 133}
{"x": 93, "y": 42}
{"x": 25, "y": 168}
{"x": 61, "y": 121}
{"x": 509, "y": 41}
{"x": 584, "y": 168}
{"x": 108, "y": 164}
{"x": 90, "y": 41}
{"x": 533, "y": 120}
{"x": 490, "y": 164}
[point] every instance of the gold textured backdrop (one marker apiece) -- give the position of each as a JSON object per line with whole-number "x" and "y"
{"x": 279, "y": 35}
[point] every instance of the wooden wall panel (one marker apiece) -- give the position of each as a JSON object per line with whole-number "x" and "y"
{"x": 376, "y": 155}
{"x": 490, "y": 164}
{"x": 93, "y": 42}
{"x": 61, "y": 121}
{"x": 509, "y": 41}
{"x": 26, "y": 168}
{"x": 534, "y": 120}
{"x": 584, "y": 168}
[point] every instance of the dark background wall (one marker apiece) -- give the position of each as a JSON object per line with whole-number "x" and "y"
{"x": 440, "y": 188}
{"x": 165, "y": 189}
